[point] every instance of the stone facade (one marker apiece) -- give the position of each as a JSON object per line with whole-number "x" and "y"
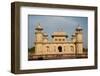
{"x": 59, "y": 43}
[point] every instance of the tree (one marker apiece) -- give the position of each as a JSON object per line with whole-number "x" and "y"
{"x": 31, "y": 50}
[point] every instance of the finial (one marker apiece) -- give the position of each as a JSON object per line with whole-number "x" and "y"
{"x": 39, "y": 23}
{"x": 39, "y": 26}
{"x": 79, "y": 27}
{"x": 59, "y": 29}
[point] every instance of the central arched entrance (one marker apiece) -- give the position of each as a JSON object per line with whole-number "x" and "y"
{"x": 60, "y": 49}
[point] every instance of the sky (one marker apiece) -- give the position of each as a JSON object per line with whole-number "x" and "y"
{"x": 52, "y": 24}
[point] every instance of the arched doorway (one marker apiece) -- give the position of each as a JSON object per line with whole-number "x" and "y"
{"x": 72, "y": 48}
{"x": 60, "y": 49}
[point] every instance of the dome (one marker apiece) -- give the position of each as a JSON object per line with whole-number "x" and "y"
{"x": 45, "y": 34}
{"x": 38, "y": 27}
{"x": 79, "y": 27}
{"x": 73, "y": 35}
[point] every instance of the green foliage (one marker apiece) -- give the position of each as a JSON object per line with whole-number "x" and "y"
{"x": 31, "y": 50}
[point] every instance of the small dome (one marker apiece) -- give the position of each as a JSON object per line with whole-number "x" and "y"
{"x": 38, "y": 27}
{"x": 73, "y": 35}
{"x": 79, "y": 27}
{"x": 45, "y": 34}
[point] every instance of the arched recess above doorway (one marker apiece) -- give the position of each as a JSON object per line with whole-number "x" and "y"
{"x": 60, "y": 48}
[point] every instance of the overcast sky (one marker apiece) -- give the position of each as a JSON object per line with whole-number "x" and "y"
{"x": 51, "y": 24}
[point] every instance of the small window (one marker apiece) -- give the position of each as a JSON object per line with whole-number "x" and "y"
{"x": 55, "y": 39}
{"x": 72, "y": 48}
{"x": 63, "y": 39}
{"x": 59, "y": 39}
{"x": 47, "y": 46}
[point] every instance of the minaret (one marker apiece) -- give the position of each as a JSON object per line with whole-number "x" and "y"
{"x": 38, "y": 39}
{"x": 45, "y": 39}
{"x": 79, "y": 40}
{"x": 46, "y": 48}
{"x": 73, "y": 38}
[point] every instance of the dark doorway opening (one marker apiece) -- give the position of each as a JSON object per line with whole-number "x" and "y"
{"x": 40, "y": 58}
{"x": 60, "y": 49}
